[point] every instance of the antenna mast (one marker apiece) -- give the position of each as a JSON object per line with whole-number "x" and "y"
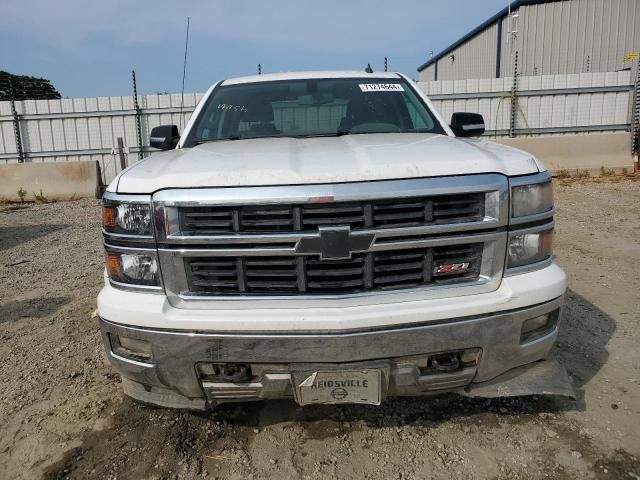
{"x": 184, "y": 73}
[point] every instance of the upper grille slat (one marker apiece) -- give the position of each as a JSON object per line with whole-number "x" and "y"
{"x": 456, "y": 211}
{"x": 316, "y": 221}
{"x": 370, "y": 214}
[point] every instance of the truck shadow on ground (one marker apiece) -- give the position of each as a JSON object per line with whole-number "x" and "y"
{"x": 582, "y": 342}
{"x": 31, "y": 308}
{"x": 13, "y": 235}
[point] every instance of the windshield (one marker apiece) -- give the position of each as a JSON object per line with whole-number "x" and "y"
{"x": 308, "y": 108}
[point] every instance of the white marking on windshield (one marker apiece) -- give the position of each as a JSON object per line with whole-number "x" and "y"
{"x": 381, "y": 87}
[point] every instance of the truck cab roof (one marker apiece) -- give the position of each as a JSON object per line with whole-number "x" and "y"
{"x": 272, "y": 77}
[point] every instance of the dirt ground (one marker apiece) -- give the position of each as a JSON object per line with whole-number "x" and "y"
{"x": 63, "y": 415}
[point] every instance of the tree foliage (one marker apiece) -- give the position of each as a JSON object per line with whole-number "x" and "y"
{"x": 24, "y": 87}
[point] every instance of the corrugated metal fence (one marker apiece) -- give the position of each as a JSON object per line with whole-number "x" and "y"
{"x": 88, "y": 128}
{"x": 546, "y": 104}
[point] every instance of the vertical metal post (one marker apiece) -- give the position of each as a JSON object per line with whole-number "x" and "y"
{"x": 635, "y": 121}
{"x": 138, "y": 116}
{"x": 16, "y": 130}
{"x": 498, "y": 47}
{"x": 514, "y": 99}
{"x": 123, "y": 161}
{"x": 184, "y": 74}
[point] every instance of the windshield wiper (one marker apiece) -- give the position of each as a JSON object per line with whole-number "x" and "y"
{"x": 337, "y": 133}
{"x": 200, "y": 141}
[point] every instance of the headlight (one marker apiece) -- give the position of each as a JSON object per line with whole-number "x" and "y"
{"x": 531, "y": 199}
{"x": 133, "y": 268}
{"x": 127, "y": 218}
{"x": 528, "y": 248}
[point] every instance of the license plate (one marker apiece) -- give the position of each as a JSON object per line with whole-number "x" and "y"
{"x": 339, "y": 386}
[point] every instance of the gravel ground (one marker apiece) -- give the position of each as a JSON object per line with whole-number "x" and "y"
{"x": 63, "y": 415}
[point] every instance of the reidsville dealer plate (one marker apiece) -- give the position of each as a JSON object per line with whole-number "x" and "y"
{"x": 339, "y": 386}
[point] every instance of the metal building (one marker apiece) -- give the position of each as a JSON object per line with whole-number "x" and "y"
{"x": 550, "y": 36}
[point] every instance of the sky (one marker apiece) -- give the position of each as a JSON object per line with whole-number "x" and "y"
{"x": 88, "y": 48}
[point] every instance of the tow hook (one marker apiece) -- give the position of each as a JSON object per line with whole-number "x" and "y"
{"x": 446, "y": 362}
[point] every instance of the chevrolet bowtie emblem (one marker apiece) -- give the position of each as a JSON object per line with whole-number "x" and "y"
{"x": 335, "y": 243}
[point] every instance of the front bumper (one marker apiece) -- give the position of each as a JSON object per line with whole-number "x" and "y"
{"x": 171, "y": 378}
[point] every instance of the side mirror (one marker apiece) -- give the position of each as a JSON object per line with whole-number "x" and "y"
{"x": 164, "y": 137}
{"x": 467, "y": 124}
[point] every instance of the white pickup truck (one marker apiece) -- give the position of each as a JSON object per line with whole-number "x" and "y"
{"x": 328, "y": 237}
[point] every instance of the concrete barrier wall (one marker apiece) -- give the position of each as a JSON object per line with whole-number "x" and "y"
{"x": 56, "y": 181}
{"x": 579, "y": 152}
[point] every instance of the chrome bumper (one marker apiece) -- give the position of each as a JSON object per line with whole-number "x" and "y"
{"x": 171, "y": 379}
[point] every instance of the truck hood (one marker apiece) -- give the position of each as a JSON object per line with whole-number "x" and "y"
{"x": 296, "y": 161}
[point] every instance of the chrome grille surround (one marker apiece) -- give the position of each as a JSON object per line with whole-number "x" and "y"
{"x": 177, "y": 248}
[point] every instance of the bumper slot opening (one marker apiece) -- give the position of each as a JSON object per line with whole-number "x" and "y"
{"x": 539, "y": 327}
{"x": 225, "y": 372}
{"x": 131, "y": 348}
{"x": 453, "y": 361}
{"x": 446, "y": 362}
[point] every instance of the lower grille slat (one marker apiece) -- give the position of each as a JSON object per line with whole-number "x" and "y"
{"x": 213, "y": 284}
{"x": 271, "y": 285}
{"x": 270, "y": 273}
{"x": 399, "y": 266}
{"x": 342, "y": 284}
{"x": 334, "y": 273}
{"x": 399, "y": 278}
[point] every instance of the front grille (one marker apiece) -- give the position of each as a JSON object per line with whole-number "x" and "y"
{"x": 401, "y": 212}
{"x": 290, "y": 275}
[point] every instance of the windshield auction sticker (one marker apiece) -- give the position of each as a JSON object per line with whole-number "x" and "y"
{"x": 381, "y": 87}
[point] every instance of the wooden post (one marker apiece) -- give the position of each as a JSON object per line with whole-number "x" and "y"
{"x": 123, "y": 160}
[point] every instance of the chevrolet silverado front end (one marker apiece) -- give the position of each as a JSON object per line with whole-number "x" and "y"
{"x": 326, "y": 237}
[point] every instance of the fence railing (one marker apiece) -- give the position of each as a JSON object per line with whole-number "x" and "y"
{"x": 89, "y": 128}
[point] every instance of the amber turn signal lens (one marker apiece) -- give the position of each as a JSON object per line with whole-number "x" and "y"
{"x": 546, "y": 242}
{"x": 108, "y": 217}
{"x": 114, "y": 266}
